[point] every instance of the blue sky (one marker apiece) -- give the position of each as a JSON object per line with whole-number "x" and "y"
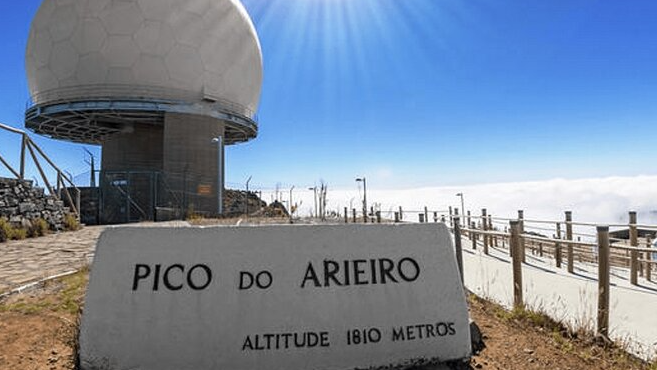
{"x": 418, "y": 93}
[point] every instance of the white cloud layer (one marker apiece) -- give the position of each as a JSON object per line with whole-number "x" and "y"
{"x": 597, "y": 200}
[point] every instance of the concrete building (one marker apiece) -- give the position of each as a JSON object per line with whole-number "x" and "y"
{"x": 162, "y": 85}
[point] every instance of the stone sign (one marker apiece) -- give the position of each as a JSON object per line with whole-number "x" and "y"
{"x": 273, "y": 297}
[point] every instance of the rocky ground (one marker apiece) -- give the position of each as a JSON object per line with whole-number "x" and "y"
{"x": 38, "y": 331}
{"x": 240, "y": 203}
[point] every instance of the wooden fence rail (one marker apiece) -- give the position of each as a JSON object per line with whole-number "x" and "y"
{"x": 606, "y": 254}
{"x": 515, "y": 236}
{"x": 525, "y": 236}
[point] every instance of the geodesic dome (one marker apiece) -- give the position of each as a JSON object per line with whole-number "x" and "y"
{"x": 185, "y": 50}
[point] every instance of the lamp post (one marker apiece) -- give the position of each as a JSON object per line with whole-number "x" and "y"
{"x": 364, "y": 181}
{"x": 314, "y": 189}
{"x": 246, "y": 201}
{"x": 291, "y": 204}
{"x": 219, "y": 140}
{"x": 462, "y": 208}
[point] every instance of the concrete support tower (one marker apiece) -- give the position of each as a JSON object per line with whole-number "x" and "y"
{"x": 153, "y": 82}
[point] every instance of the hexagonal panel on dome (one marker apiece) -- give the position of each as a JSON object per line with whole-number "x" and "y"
{"x": 157, "y": 10}
{"x": 155, "y": 37}
{"x": 198, "y": 7}
{"x": 92, "y": 69}
{"x": 217, "y": 12}
{"x": 92, "y": 7}
{"x": 42, "y": 47}
{"x": 45, "y": 12}
{"x": 184, "y": 65}
{"x": 63, "y": 60}
{"x": 63, "y": 23}
{"x": 151, "y": 69}
{"x": 47, "y": 79}
{"x": 188, "y": 28}
{"x": 120, "y": 51}
{"x": 122, "y": 17}
{"x": 90, "y": 36}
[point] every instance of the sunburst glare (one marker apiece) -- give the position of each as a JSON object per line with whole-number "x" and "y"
{"x": 340, "y": 51}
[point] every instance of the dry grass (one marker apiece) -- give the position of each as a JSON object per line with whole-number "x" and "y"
{"x": 578, "y": 341}
{"x": 67, "y": 297}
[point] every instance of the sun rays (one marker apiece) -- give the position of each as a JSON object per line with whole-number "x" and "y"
{"x": 335, "y": 48}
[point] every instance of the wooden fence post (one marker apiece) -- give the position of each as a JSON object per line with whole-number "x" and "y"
{"x": 473, "y": 226}
{"x": 493, "y": 238}
{"x": 396, "y": 217}
{"x": 435, "y": 216}
{"x": 557, "y": 246}
{"x": 457, "y": 245}
{"x": 649, "y": 260}
{"x": 484, "y": 221}
{"x": 603, "y": 281}
{"x": 78, "y": 201}
{"x": 426, "y": 214}
{"x": 43, "y": 175}
{"x": 450, "y": 217}
{"x": 60, "y": 183}
{"x": 378, "y": 217}
{"x": 504, "y": 238}
{"x": 470, "y": 233}
{"x": 23, "y": 147}
{"x": 346, "y": 215}
{"x": 469, "y": 219}
{"x": 569, "y": 236}
{"x": 521, "y": 220}
{"x": 401, "y": 215}
{"x": 353, "y": 213}
{"x": 634, "y": 255}
{"x": 517, "y": 264}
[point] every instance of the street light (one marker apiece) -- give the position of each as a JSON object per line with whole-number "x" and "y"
{"x": 364, "y": 181}
{"x": 246, "y": 203}
{"x": 219, "y": 140}
{"x": 291, "y": 204}
{"x": 314, "y": 189}
{"x": 462, "y": 209}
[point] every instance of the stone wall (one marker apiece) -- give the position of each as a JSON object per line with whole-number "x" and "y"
{"x": 20, "y": 203}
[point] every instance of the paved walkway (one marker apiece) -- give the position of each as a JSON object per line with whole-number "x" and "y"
{"x": 26, "y": 261}
{"x": 571, "y": 298}
{"x": 29, "y": 260}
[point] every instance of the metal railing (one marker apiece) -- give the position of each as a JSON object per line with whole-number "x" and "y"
{"x": 111, "y": 92}
{"x": 63, "y": 184}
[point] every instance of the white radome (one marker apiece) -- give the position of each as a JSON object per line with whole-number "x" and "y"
{"x": 183, "y": 49}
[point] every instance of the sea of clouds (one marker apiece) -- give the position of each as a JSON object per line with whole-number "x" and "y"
{"x": 597, "y": 200}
